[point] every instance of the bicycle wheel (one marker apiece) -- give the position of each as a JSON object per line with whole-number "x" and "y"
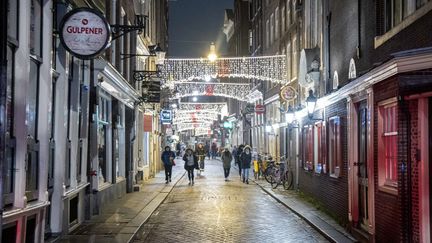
{"x": 268, "y": 174}
{"x": 288, "y": 180}
{"x": 277, "y": 177}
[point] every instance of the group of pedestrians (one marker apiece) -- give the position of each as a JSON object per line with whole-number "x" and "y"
{"x": 195, "y": 160}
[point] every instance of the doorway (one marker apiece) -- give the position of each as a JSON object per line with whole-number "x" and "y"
{"x": 362, "y": 166}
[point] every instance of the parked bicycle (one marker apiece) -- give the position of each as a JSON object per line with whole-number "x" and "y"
{"x": 281, "y": 175}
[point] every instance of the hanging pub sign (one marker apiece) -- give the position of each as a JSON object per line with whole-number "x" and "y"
{"x": 85, "y": 33}
{"x": 166, "y": 116}
{"x": 287, "y": 93}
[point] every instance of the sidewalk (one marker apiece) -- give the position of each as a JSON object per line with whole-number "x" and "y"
{"x": 121, "y": 219}
{"x": 323, "y": 223}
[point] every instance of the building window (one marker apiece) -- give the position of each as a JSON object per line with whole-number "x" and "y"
{"x": 295, "y": 58}
{"x": 277, "y": 23}
{"x": 308, "y": 147}
{"x": 32, "y": 159}
{"x": 334, "y": 146}
{"x": 9, "y": 165}
{"x": 320, "y": 147}
{"x": 36, "y": 28}
{"x": 104, "y": 114}
{"x": 283, "y": 14}
{"x": 12, "y": 22}
{"x": 395, "y": 11}
{"x": 288, "y": 10}
{"x": 267, "y": 33}
{"x": 387, "y": 144}
{"x": 272, "y": 28}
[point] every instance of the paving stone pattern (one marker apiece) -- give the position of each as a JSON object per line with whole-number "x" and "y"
{"x": 213, "y": 210}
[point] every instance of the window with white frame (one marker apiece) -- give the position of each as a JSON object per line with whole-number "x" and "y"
{"x": 295, "y": 57}
{"x": 395, "y": 11}
{"x": 272, "y": 28}
{"x": 387, "y": 144}
{"x": 277, "y": 26}
{"x": 104, "y": 121}
{"x": 334, "y": 146}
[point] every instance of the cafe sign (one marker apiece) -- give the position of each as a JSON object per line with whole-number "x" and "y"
{"x": 84, "y": 32}
{"x": 288, "y": 93}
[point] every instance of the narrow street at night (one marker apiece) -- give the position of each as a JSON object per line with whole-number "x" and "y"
{"x": 322, "y": 109}
{"x": 215, "y": 210}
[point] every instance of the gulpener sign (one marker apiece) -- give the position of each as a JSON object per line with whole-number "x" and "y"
{"x": 84, "y": 32}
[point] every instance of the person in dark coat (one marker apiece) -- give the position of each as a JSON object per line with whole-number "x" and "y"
{"x": 245, "y": 161}
{"x": 191, "y": 163}
{"x": 168, "y": 162}
{"x": 213, "y": 150}
{"x": 226, "y": 158}
{"x": 237, "y": 158}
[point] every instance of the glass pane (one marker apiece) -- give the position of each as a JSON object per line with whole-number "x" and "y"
{"x": 8, "y": 170}
{"x": 31, "y": 107}
{"x": 35, "y": 27}
{"x": 102, "y": 153}
{"x": 12, "y": 22}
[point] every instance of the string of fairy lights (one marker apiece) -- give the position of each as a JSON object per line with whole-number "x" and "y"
{"x": 229, "y": 90}
{"x": 266, "y": 68}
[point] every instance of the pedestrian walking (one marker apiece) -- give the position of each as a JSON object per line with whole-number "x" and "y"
{"x": 226, "y": 158}
{"x": 237, "y": 158}
{"x": 207, "y": 149}
{"x": 191, "y": 163}
{"x": 168, "y": 162}
{"x": 214, "y": 150}
{"x": 200, "y": 152}
{"x": 245, "y": 161}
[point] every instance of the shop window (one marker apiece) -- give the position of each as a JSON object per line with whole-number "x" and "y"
{"x": 103, "y": 123}
{"x": 9, "y": 233}
{"x": 32, "y": 114}
{"x": 308, "y": 148}
{"x": 9, "y": 165}
{"x": 31, "y": 229}
{"x": 36, "y": 28}
{"x": 73, "y": 211}
{"x": 387, "y": 145}
{"x": 12, "y": 22}
{"x": 320, "y": 147}
{"x": 334, "y": 146}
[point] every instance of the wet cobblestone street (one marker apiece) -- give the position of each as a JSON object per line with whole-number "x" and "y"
{"x": 214, "y": 210}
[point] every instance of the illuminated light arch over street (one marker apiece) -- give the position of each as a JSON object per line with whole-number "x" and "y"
{"x": 265, "y": 68}
{"x": 238, "y": 91}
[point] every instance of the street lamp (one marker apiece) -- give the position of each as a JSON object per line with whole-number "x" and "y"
{"x": 194, "y": 99}
{"x": 212, "y": 55}
{"x": 290, "y": 115}
{"x": 311, "y": 101}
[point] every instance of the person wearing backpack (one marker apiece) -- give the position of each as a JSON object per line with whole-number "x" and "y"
{"x": 191, "y": 163}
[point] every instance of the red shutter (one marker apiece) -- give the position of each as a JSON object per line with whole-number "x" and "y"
{"x": 148, "y": 123}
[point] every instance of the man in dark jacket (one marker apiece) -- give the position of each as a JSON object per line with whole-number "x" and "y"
{"x": 237, "y": 157}
{"x": 168, "y": 162}
{"x": 245, "y": 161}
{"x": 191, "y": 163}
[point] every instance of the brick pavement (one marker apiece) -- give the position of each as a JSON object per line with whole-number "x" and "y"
{"x": 217, "y": 211}
{"x": 120, "y": 219}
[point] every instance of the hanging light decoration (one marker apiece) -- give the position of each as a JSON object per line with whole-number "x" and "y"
{"x": 266, "y": 68}
{"x": 230, "y": 90}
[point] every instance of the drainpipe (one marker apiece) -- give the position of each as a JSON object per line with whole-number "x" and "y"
{"x": 406, "y": 185}
{"x": 3, "y": 87}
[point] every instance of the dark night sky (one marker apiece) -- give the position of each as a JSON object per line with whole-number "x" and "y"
{"x": 193, "y": 24}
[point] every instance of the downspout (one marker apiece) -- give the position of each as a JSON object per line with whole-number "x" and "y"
{"x": 406, "y": 185}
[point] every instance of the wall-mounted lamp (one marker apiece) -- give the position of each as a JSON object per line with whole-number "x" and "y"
{"x": 311, "y": 102}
